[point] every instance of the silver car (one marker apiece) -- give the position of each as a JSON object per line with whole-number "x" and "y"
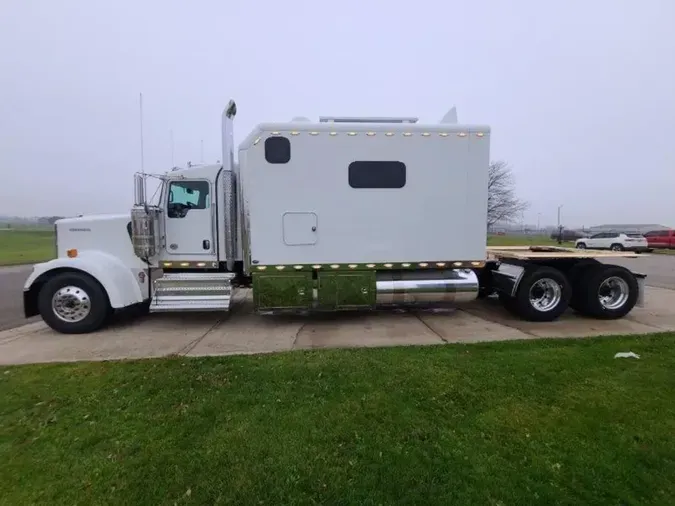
{"x": 614, "y": 241}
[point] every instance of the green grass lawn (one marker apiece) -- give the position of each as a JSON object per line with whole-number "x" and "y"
{"x": 525, "y": 240}
{"x": 536, "y": 422}
{"x": 26, "y": 246}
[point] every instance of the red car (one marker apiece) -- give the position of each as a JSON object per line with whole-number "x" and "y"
{"x": 661, "y": 239}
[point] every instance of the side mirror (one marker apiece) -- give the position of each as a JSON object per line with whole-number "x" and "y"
{"x": 170, "y": 196}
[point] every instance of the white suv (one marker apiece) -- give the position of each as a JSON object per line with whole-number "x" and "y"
{"x": 614, "y": 241}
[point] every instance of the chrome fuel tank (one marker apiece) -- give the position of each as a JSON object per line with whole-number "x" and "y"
{"x": 426, "y": 287}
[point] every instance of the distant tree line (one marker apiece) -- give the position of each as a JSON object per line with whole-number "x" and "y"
{"x": 18, "y": 222}
{"x": 48, "y": 220}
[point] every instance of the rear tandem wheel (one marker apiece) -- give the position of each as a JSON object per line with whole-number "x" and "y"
{"x": 543, "y": 294}
{"x": 607, "y": 292}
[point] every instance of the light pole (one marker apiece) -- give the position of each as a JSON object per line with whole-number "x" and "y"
{"x": 538, "y": 222}
{"x": 560, "y": 237}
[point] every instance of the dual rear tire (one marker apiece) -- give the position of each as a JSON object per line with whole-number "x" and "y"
{"x": 592, "y": 289}
{"x": 543, "y": 294}
{"x": 606, "y": 292}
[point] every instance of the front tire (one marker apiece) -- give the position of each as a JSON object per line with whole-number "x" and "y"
{"x": 581, "y": 245}
{"x": 73, "y": 303}
{"x": 543, "y": 295}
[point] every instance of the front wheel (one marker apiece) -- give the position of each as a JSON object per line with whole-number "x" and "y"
{"x": 581, "y": 245}
{"x": 73, "y": 303}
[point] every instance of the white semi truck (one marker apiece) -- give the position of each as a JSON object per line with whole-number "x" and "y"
{"x": 340, "y": 214}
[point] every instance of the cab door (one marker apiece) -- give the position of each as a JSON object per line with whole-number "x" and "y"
{"x": 189, "y": 218}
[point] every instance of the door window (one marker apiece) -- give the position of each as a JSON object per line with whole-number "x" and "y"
{"x": 187, "y": 195}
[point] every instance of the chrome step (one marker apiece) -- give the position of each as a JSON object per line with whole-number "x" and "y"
{"x": 192, "y": 291}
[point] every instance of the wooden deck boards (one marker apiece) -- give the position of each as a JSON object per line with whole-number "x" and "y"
{"x": 533, "y": 252}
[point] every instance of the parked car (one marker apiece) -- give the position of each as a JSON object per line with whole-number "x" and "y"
{"x": 568, "y": 235}
{"x": 661, "y": 239}
{"x": 615, "y": 241}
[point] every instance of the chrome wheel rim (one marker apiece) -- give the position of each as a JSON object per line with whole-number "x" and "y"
{"x": 71, "y": 304}
{"x": 545, "y": 294}
{"x": 613, "y": 293}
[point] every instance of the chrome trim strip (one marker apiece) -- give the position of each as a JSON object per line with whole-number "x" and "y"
{"x": 384, "y": 266}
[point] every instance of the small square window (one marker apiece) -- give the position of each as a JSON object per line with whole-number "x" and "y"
{"x": 277, "y": 150}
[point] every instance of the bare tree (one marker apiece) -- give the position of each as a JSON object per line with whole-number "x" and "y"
{"x": 503, "y": 204}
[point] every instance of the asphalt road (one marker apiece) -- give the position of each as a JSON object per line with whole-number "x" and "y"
{"x": 660, "y": 271}
{"x": 11, "y": 296}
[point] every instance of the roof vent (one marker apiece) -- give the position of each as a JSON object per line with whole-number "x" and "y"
{"x": 450, "y": 116}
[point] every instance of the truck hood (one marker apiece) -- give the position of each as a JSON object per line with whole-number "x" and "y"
{"x": 93, "y": 218}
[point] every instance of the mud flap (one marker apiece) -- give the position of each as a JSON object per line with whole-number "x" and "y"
{"x": 641, "y": 289}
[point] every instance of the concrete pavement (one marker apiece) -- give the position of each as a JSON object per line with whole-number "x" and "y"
{"x": 242, "y": 332}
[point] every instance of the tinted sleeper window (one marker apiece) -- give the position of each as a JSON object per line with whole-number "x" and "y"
{"x": 377, "y": 174}
{"x": 277, "y": 150}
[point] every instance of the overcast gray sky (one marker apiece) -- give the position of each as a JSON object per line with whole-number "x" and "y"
{"x": 580, "y": 94}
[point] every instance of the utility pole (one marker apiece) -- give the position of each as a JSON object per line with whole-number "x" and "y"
{"x": 538, "y": 222}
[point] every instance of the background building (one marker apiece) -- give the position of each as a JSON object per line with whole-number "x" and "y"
{"x": 631, "y": 228}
